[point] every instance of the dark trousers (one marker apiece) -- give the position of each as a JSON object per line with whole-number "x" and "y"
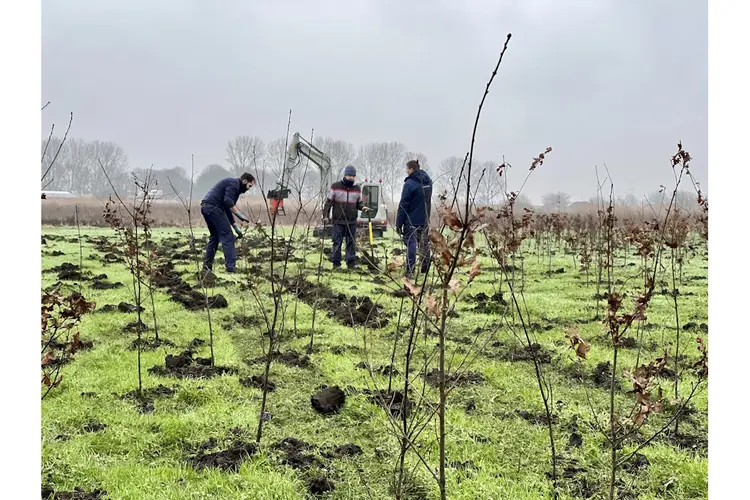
{"x": 417, "y": 241}
{"x": 221, "y": 232}
{"x": 339, "y": 232}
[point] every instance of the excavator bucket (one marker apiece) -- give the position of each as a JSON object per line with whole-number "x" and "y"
{"x": 277, "y": 207}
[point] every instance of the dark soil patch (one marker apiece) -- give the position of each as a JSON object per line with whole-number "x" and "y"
{"x": 344, "y": 450}
{"x": 341, "y": 349}
{"x": 145, "y": 400}
{"x": 184, "y": 366}
{"x": 242, "y": 321}
{"x": 386, "y": 370}
{"x": 195, "y": 344}
{"x": 193, "y": 300}
{"x": 535, "y": 418}
{"x": 94, "y": 426}
{"x": 350, "y": 311}
{"x": 471, "y": 406}
{"x": 124, "y": 307}
{"x": 433, "y": 378}
{"x": 150, "y": 344}
{"x": 637, "y": 463}
{"x": 328, "y": 400}
{"x": 76, "y": 494}
{"x": 88, "y": 394}
{"x": 135, "y": 326}
{"x": 559, "y": 270}
{"x": 693, "y": 326}
{"x": 628, "y": 342}
{"x": 289, "y": 358}
{"x": 689, "y": 442}
{"x": 602, "y": 375}
{"x": 228, "y": 460}
{"x": 319, "y": 485}
{"x": 526, "y": 353}
{"x": 258, "y": 381}
{"x": 56, "y": 253}
{"x": 392, "y": 402}
{"x": 576, "y": 438}
{"x": 377, "y": 280}
{"x": 294, "y": 453}
{"x": 99, "y": 284}
{"x": 494, "y": 304}
{"x": 67, "y": 271}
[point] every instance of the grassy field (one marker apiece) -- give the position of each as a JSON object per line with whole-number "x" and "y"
{"x": 496, "y": 448}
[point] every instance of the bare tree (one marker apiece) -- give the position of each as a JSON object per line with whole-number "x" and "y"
{"x": 383, "y": 160}
{"x": 243, "y": 152}
{"x": 555, "y": 202}
{"x": 341, "y": 153}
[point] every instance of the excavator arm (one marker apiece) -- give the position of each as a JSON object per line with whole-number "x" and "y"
{"x": 298, "y": 148}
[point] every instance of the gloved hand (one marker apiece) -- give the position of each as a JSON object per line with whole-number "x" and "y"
{"x": 326, "y": 221}
{"x": 237, "y": 230}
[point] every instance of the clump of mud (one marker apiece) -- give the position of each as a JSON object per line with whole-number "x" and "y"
{"x": 328, "y": 400}
{"x": 494, "y": 304}
{"x": 144, "y": 400}
{"x": 185, "y": 366}
{"x": 350, "y": 311}
{"x": 295, "y": 453}
{"x": 237, "y": 448}
{"x": 526, "y": 353}
{"x": 289, "y": 358}
{"x": 258, "y": 381}
{"x": 393, "y": 402}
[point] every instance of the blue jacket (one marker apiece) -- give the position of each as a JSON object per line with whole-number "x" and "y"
{"x": 416, "y": 200}
{"x": 224, "y": 194}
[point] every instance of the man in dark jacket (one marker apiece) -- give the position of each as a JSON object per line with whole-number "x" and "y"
{"x": 413, "y": 217}
{"x": 345, "y": 200}
{"x": 219, "y": 207}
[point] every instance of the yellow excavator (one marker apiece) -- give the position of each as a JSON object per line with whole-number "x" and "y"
{"x": 375, "y": 221}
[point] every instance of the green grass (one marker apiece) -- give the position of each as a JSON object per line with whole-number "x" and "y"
{"x": 146, "y": 455}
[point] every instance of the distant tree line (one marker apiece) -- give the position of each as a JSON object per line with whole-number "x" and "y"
{"x": 77, "y": 170}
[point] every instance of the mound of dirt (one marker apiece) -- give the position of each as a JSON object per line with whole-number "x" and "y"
{"x": 494, "y": 304}
{"x": 602, "y": 375}
{"x": 145, "y": 400}
{"x": 392, "y": 402}
{"x": 351, "y": 311}
{"x": 294, "y": 453}
{"x": 526, "y": 353}
{"x": 67, "y": 272}
{"x": 184, "y": 366}
{"x": 433, "y": 378}
{"x": 289, "y": 358}
{"x": 100, "y": 283}
{"x": 328, "y": 400}
{"x": 258, "y": 381}
{"x": 149, "y": 344}
{"x": 344, "y": 450}
{"x": 228, "y": 460}
{"x": 319, "y": 484}
{"x": 77, "y": 494}
{"x": 535, "y": 418}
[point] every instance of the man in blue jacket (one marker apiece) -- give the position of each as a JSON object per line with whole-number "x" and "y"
{"x": 413, "y": 216}
{"x": 219, "y": 207}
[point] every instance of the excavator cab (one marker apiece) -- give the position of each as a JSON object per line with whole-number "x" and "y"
{"x": 370, "y": 198}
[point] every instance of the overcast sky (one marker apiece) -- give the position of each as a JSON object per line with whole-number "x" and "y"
{"x": 600, "y": 81}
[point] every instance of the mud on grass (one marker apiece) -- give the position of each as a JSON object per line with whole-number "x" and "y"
{"x": 184, "y": 365}
{"x": 349, "y": 311}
